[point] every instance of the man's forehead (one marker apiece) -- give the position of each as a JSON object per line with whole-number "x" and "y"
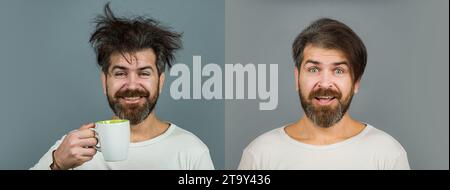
{"x": 133, "y": 60}
{"x": 130, "y": 65}
{"x": 324, "y": 56}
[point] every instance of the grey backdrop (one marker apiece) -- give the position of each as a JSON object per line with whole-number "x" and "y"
{"x": 405, "y": 87}
{"x": 50, "y": 84}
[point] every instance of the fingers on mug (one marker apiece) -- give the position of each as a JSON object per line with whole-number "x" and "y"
{"x": 97, "y": 147}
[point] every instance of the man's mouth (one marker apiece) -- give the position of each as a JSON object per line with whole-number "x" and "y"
{"x": 132, "y": 100}
{"x": 325, "y": 100}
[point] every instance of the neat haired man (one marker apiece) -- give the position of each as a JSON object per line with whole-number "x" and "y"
{"x": 329, "y": 62}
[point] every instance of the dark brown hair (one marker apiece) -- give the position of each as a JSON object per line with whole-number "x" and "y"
{"x": 129, "y": 35}
{"x": 332, "y": 34}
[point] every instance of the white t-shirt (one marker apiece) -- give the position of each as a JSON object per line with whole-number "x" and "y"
{"x": 175, "y": 149}
{"x": 371, "y": 149}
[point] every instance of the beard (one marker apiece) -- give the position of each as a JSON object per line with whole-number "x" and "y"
{"x": 325, "y": 116}
{"x": 135, "y": 113}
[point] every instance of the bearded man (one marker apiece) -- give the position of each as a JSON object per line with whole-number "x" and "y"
{"x": 132, "y": 54}
{"x": 329, "y": 62}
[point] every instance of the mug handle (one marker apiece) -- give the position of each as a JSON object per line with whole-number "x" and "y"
{"x": 97, "y": 147}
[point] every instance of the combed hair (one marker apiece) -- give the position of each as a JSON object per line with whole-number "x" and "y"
{"x": 332, "y": 34}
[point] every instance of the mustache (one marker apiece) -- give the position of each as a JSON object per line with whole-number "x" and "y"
{"x": 325, "y": 92}
{"x": 132, "y": 93}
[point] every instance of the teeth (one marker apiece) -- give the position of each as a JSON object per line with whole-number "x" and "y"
{"x": 132, "y": 98}
{"x": 324, "y": 97}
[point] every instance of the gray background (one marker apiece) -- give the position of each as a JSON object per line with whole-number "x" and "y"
{"x": 404, "y": 90}
{"x": 50, "y": 83}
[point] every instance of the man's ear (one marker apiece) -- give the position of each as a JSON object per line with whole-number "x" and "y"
{"x": 356, "y": 88}
{"x": 296, "y": 78}
{"x": 162, "y": 76}
{"x": 103, "y": 78}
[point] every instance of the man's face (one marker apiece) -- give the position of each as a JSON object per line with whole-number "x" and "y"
{"x": 132, "y": 85}
{"x": 325, "y": 85}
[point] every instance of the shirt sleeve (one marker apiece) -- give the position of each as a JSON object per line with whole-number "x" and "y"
{"x": 47, "y": 159}
{"x": 401, "y": 162}
{"x": 204, "y": 162}
{"x": 248, "y": 161}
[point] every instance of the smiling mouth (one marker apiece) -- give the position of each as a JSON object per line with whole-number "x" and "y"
{"x": 325, "y": 100}
{"x": 130, "y": 100}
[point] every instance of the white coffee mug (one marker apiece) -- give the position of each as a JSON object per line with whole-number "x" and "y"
{"x": 113, "y": 139}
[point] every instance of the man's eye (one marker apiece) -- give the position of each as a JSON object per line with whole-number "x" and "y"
{"x": 338, "y": 71}
{"x": 313, "y": 70}
{"x": 145, "y": 74}
{"x": 118, "y": 74}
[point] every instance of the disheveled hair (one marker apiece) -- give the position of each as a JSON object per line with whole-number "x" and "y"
{"x": 128, "y": 35}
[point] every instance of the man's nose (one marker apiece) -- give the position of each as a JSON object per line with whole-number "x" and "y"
{"x": 132, "y": 81}
{"x": 326, "y": 80}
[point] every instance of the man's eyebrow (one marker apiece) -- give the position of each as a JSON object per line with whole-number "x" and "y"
{"x": 312, "y": 61}
{"x": 119, "y": 67}
{"x": 341, "y": 63}
{"x": 125, "y": 68}
{"x": 318, "y": 62}
{"x": 146, "y": 67}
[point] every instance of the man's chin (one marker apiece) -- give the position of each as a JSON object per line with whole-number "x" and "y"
{"x": 125, "y": 104}
{"x": 130, "y": 107}
{"x": 325, "y": 107}
{"x": 134, "y": 119}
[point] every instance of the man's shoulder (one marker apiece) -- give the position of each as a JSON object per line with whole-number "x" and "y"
{"x": 185, "y": 139}
{"x": 384, "y": 141}
{"x": 268, "y": 140}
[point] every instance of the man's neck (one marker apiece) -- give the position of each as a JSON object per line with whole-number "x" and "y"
{"x": 150, "y": 128}
{"x": 306, "y": 131}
